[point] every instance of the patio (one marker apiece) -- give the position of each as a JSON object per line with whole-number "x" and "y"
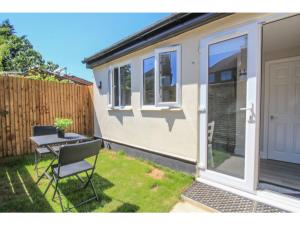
{"x": 123, "y": 183}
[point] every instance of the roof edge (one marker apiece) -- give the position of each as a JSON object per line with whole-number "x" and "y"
{"x": 166, "y": 28}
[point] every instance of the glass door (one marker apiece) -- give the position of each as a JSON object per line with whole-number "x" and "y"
{"x": 228, "y": 84}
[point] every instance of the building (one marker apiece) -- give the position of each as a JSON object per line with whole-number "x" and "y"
{"x": 217, "y": 95}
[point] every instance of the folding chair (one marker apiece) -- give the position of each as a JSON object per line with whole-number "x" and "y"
{"x": 210, "y": 134}
{"x": 71, "y": 162}
{"x": 44, "y": 150}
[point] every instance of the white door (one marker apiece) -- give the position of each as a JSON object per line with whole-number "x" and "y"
{"x": 284, "y": 110}
{"x": 229, "y": 66}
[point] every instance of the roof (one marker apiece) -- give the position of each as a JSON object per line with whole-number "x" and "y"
{"x": 168, "y": 27}
{"x": 77, "y": 80}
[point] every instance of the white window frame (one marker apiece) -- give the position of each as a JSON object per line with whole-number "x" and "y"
{"x": 142, "y": 81}
{"x": 177, "y": 49}
{"x": 252, "y": 30}
{"x": 110, "y": 86}
{"x": 112, "y": 67}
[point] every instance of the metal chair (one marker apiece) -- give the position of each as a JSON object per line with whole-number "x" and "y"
{"x": 210, "y": 134}
{"x": 43, "y": 150}
{"x": 71, "y": 162}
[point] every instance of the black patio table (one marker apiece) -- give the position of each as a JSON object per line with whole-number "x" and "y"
{"x": 53, "y": 139}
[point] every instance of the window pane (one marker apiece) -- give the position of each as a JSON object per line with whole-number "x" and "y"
{"x": 226, "y": 75}
{"x": 148, "y": 77}
{"x": 109, "y": 86}
{"x": 211, "y": 78}
{"x": 167, "y": 76}
{"x": 125, "y": 78}
{"x": 226, "y": 95}
{"x": 116, "y": 86}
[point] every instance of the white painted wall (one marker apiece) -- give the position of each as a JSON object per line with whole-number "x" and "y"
{"x": 170, "y": 132}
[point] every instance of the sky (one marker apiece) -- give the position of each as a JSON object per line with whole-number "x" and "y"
{"x": 67, "y": 38}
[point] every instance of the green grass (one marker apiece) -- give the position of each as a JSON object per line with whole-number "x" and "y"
{"x": 220, "y": 156}
{"x": 122, "y": 183}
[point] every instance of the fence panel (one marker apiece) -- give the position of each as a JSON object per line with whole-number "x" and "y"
{"x": 25, "y": 102}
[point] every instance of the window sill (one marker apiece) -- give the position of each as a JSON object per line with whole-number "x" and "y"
{"x": 160, "y": 108}
{"x": 124, "y": 108}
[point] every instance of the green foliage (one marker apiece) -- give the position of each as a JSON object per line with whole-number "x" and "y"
{"x": 121, "y": 152}
{"x": 65, "y": 81}
{"x": 51, "y": 78}
{"x": 35, "y": 77}
{"x": 47, "y": 78}
{"x": 17, "y": 53}
{"x": 50, "y": 66}
{"x": 62, "y": 123}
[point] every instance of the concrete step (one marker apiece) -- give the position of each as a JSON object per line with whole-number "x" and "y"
{"x": 187, "y": 205}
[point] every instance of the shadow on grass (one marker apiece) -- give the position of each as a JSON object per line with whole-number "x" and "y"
{"x": 127, "y": 207}
{"x": 73, "y": 193}
{"x": 18, "y": 191}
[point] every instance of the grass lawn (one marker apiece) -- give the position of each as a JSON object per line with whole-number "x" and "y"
{"x": 123, "y": 183}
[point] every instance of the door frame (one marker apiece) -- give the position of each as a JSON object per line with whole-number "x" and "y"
{"x": 250, "y": 180}
{"x": 266, "y": 106}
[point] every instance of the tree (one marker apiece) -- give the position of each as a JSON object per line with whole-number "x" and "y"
{"x": 50, "y": 66}
{"x": 6, "y": 30}
{"x": 17, "y": 53}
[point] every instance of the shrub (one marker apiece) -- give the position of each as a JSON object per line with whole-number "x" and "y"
{"x": 62, "y": 123}
{"x": 47, "y": 78}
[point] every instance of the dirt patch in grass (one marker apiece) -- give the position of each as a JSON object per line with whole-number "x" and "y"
{"x": 156, "y": 174}
{"x": 154, "y": 187}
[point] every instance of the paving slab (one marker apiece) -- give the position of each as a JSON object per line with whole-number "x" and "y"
{"x": 187, "y": 207}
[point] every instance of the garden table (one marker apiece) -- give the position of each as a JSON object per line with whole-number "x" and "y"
{"x": 53, "y": 139}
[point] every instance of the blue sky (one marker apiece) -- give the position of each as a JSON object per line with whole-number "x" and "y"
{"x": 67, "y": 38}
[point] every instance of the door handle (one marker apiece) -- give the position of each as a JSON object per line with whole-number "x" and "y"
{"x": 244, "y": 109}
{"x": 251, "y": 109}
{"x": 272, "y": 117}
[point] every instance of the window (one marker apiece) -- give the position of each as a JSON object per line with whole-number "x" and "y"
{"x": 148, "y": 81}
{"x": 167, "y": 76}
{"x": 125, "y": 85}
{"x": 226, "y": 75}
{"x": 109, "y": 79}
{"x": 168, "y": 89}
{"x": 121, "y": 89}
{"x": 211, "y": 78}
{"x": 161, "y": 77}
{"x": 116, "y": 86}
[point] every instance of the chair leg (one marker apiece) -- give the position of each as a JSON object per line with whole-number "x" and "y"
{"x": 36, "y": 161}
{"x": 79, "y": 178}
{"x": 46, "y": 170}
{"x": 55, "y": 190}
{"x": 51, "y": 181}
{"x": 59, "y": 196}
{"x": 92, "y": 184}
{"x": 95, "y": 193}
{"x": 210, "y": 156}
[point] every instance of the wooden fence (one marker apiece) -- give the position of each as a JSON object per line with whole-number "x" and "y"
{"x": 25, "y": 102}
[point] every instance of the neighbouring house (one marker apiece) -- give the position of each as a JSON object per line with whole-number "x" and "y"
{"x": 77, "y": 80}
{"x": 71, "y": 78}
{"x": 217, "y": 95}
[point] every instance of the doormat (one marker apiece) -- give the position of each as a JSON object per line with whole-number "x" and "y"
{"x": 224, "y": 201}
